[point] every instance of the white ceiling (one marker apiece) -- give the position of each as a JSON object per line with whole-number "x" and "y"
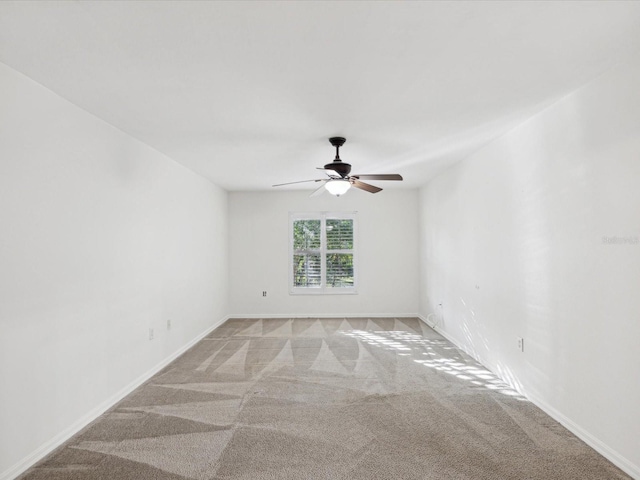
{"x": 247, "y": 93}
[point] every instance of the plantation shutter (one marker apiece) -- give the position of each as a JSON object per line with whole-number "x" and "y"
{"x": 322, "y": 254}
{"x": 339, "y": 267}
{"x": 307, "y": 241}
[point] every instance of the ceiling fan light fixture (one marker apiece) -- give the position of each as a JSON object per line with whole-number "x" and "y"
{"x": 337, "y": 187}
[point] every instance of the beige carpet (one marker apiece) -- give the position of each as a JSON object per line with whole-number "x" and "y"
{"x": 324, "y": 399}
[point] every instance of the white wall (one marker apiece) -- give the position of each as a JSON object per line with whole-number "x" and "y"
{"x": 512, "y": 244}
{"x": 387, "y": 253}
{"x": 101, "y": 238}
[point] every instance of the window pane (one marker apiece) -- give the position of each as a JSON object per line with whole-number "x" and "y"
{"x": 339, "y": 234}
{"x": 339, "y": 270}
{"x": 306, "y": 234}
{"x": 306, "y": 270}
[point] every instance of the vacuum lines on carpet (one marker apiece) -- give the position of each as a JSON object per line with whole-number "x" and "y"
{"x": 344, "y": 398}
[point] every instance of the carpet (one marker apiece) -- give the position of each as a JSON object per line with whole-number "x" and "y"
{"x": 349, "y": 399}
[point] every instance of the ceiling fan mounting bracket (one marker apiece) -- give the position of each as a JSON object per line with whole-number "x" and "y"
{"x": 337, "y": 141}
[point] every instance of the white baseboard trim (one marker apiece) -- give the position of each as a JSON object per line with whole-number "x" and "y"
{"x": 603, "y": 449}
{"x": 450, "y": 338}
{"x": 426, "y": 320}
{"x": 324, "y": 315}
{"x": 49, "y": 446}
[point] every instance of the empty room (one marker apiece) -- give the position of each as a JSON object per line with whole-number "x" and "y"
{"x": 298, "y": 240}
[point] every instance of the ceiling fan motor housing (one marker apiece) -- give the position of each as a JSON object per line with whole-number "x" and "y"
{"x": 341, "y": 168}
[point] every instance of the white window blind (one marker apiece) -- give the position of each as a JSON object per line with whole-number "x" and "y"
{"x": 323, "y": 257}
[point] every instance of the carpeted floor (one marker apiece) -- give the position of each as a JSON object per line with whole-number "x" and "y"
{"x": 324, "y": 399}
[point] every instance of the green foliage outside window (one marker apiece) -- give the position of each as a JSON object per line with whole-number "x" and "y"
{"x": 339, "y": 234}
{"x": 306, "y": 234}
{"x": 340, "y": 270}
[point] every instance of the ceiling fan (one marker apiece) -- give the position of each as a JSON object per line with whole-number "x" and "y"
{"x": 339, "y": 180}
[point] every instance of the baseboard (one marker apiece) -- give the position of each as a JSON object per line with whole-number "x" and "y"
{"x": 324, "y": 315}
{"x": 614, "y": 457}
{"x": 426, "y": 320}
{"x": 450, "y": 338}
{"x": 49, "y": 446}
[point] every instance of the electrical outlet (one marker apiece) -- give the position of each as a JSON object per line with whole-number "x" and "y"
{"x": 264, "y": 293}
{"x": 521, "y": 344}
{"x": 169, "y": 324}
{"x": 151, "y": 334}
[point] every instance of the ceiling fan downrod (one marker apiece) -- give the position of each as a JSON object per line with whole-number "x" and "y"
{"x": 337, "y": 142}
{"x": 341, "y": 168}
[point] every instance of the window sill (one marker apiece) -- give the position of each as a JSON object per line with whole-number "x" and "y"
{"x": 323, "y": 291}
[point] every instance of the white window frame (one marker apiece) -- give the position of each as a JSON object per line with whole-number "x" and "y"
{"x": 323, "y": 289}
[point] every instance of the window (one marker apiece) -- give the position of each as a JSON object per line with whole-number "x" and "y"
{"x": 322, "y": 254}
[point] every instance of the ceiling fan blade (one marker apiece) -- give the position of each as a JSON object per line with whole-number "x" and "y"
{"x": 328, "y": 171}
{"x": 386, "y": 176}
{"x": 319, "y": 191}
{"x": 365, "y": 186}
{"x": 302, "y": 181}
